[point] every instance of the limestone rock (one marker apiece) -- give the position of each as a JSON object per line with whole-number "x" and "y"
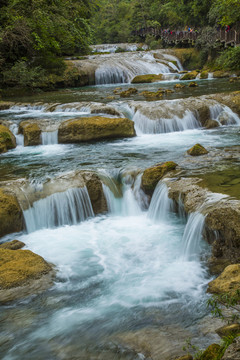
{"x": 152, "y": 95}
{"x": 227, "y": 282}
{"x": 18, "y": 269}
{"x": 31, "y": 133}
{"x": 179, "y": 86}
{"x": 11, "y": 217}
{"x": 5, "y": 105}
{"x": 12, "y": 245}
{"x": 193, "y": 84}
{"x": 128, "y": 92}
{"x": 220, "y": 74}
{"x": 197, "y": 150}
{"x": 211, "y": 124}
{"x": 94, "y": 128}
{"x": 185, "y": 357}
{"x": 204, "y": 75}
{"x": 151, "y": 176}
{"x": 211, "y": 352}
{"x": 7, "y": 139}
{"x": 233, "y": 351}
{"x": 227, "y": 330}
{"x": 190, "y": 75}
{"x": 150, "y": 78}
{"x": 95, "y": 191}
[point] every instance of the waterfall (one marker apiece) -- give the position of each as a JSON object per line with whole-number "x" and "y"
{"x": 19, "y": 137}
{"x": 192, "y": 236}
{"x": 144, "y": 125}
{"x": 161, "y": 204}
{"x": 49, "y": 137}
{"x": 64, "y": 208}
{"x": 223, "y": 115}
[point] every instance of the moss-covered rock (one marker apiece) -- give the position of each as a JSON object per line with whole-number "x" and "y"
{"x": 7, "y": 139}
{"x": 11, "y": 217}
{"x": 31, "y": 132}
{"x": 95, "y": 191}
{"x": 94, "y": 128}
{"x": 190, "y": 75}
{"x": 152, "y": 175}
{"x": 179, "y": 86}
{"x": 204, "y": 75}
{"x": 220, "y": 74}
{"x": 227, "y": 282}
{"x": 197, "y": 150}
{"x": 228, "y": 330}
{"x": 128, "y": 92}
{"x": 211, "y": 352}
{"x": 185, "y": 357}
{"x": 152, "y": 95}
{"x": 150, "y": 78}
{"x": 211, "y": 124}
{"x": 12, "y": 245}
{"x": 189, "y": 58}
{"x": 5, "y": 105}
{"x": 192, "y": 84}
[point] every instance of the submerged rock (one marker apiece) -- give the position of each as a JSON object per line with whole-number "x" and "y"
{"x": 11, "y": 217}
{"x": 190, "y": 75}
{"x": 7, "y": 139}
{"x": 128, "y": 92}
{"x": 211, "y": 124}
{"x": 197, "y": 150}
{"x": 227, "y": 282}
{"x": 150, "y": 78}
{"x": 179, "y": 86}
{"x": 19, "y": 270}
{"x": 12, "y": 245}
{"x": 95, "y": 128}
{"x": 152, "y": 95}
{"x": 151, "y": 176}
{"x": 193, "y": 84}
{"x": 31, "y": 132}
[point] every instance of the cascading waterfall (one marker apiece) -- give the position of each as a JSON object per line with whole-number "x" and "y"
{"x": 64, "y": 208}
{"x": 223, "y": 115}
{"x": 19, "y": 137}
{"x": 144, "y": 125}
{"x": 49, "y": 137}
{"x": 192, "y": 236}
{"x": 161, "y": 205}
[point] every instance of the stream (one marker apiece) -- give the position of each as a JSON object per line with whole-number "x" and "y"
{"x": 131, "y": 283}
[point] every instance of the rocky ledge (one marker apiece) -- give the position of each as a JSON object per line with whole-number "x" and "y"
{"x": 7, "y": 139}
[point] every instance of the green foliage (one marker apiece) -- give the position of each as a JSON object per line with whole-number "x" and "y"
{"x": 230, "y": 59}
{"x": 22, "y": 75}
{"x": 217, "y": 302}
{"x": 190, "y": 348}
{"x": 225, "y": 12}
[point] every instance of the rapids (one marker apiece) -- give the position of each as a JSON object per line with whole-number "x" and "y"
{"x": 138, "y": 269}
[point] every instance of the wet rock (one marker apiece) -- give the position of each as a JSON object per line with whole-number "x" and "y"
{"x": 221, "y": 74}
{"x": 11, "y": 217}
{"x": 150, "y": 78}
{"x": 12, "y": 245}
{"x": 128, "y": 92}
{"x": 169, "y": 91}
{"x": 179, "y": 86}
{"x": 19, "y": 270}
{"x": 190, "y": 75}
{"x": 151, "y": 176}
{"x": 31, "y": 132}
{"x": 7, "y": 139}
{"x": 185, "y": 357}
{"x": 117, "y": 90}
{"x": 204, "y": 75}
{"x": 233, "y": 351}
{"x": 94, "y": 128}
{"x": 197, "y": 150}
{"x": 211, "y": 352}
{"x": 5, "y": 105}
{"x": 232, "y": 100}
{"x": 192, "y": 84}
{"x": 211, "y": 124}
{"x": 228, "y": 330}
{"x": 95, "y": 191}
{"x": 152, "y": 95}
{"x": 227, "y": 282}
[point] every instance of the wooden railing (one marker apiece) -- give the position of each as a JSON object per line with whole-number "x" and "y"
{"x": 231, "y": 37}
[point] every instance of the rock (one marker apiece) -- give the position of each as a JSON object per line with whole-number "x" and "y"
{"x": 94, "y": 128}
{"x": 110, "y": 97}
{"x": 185, "y": 357}
{"x": 151, "y": 95}
{"x": 211, "y": 124}
{"x": 128, "y": 92}
{"x": 228, "y": 330}
{"x": 11, "y": 217}
{"x": 179, "y": 86}
{"x": 31, "y": 133}
{"x": 204, "y": 75}
{"x": 151, "y": 176}
{"x": 95, "y": 191}
{"x": 117, "y": 90}
{"x": 7, "y": 139}
{"x": 193, "y": 84}
{"x": 197, "y": 150}
{"x": 220, "y": 74}
{"x": 190, "y": 75}
{"x": 19, "y": 269}
{"x": 232, "y": 100}
{"x": 5, "y": 105}
{"x": 150, "y": 78}
{"x": 12, "y": 245}
{"x": 227, "y": 282}
{"x": 169, "y": 91}
{"x": 233, "y": 79}
{"x": 233, "y": 351}
{"x": 211, "y": 352}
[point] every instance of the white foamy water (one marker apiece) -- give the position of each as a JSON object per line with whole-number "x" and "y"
{"x": 49, "y": 137}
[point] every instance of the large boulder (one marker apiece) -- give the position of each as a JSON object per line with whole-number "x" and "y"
{"x": 5, "y": 105}
{"x": 21, "y": 274}
{"x": 228, "y": 330}
{"x": 94, "y": 128}
{"x": 211, "y": 124}
{"x": 211, "y": 352}
{"x": 152, "y": 175}
{"x": 197, "y": 150}
{"x": 7, "y": 139}
{"x": 228, "y": 282}
{"x": 11, "y": 217}
{"x": 31, "y": 132}
{"x": 149, "y": 78}
{"x": 190, "y": 75}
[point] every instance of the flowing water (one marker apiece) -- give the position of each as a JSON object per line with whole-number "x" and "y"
{"x": 136, "y": 270}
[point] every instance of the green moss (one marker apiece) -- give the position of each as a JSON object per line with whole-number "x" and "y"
{"x": 151, "y": 95}
{"x": 197, "y": 150}
{"x": 128, "y": 92}
{"x": 190, "y": 76}
{"x": 142, "y": 79}
{"x": 7, "y": 139}
{"x": 211, "y": 353}
{"x": 193, "y": 84}
{"x": 190, "y": 58}
{"x": 204, "y": 75}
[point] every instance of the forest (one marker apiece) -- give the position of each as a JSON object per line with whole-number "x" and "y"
{"x": 35, "y": 36}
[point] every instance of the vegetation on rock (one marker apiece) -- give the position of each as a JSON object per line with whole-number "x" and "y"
{"x": 197, "y": 150}
{"x": 31, "y": 133}
{"x": 142, "y": 79}
{"x": 7, "y": 139}
{"x": 11, "y": 218}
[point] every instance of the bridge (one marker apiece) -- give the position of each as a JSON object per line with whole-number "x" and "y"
{"x": 187, "y": 38}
